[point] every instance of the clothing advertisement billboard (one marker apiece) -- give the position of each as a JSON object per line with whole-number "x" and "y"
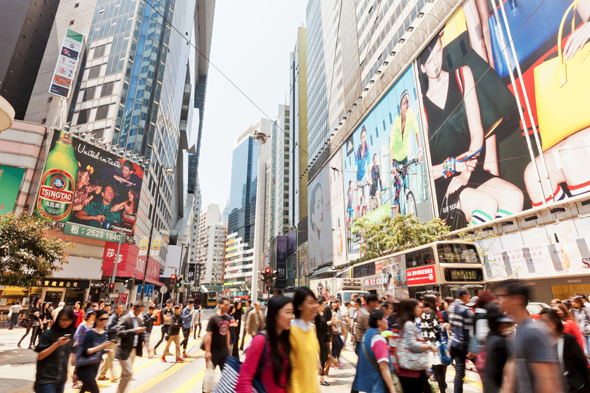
{"x": 383, "y": 167}
{"x": 89, "y": 186}
{"x": 554, "y": 250}
{"x": 326, "y": 216}
{"x": 508, "y": 128}
{"x": 11, "y": 179}
{"x": 67, "y": 62}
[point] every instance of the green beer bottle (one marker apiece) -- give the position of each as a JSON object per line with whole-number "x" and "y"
{"x": 58, "y": 184}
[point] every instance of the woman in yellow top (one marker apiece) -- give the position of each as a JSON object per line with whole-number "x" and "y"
{"x": 304, "y": 344}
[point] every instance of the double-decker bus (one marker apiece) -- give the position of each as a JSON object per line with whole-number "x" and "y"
{"x": 211, "y": 300}
{"x": 440, "y": 266}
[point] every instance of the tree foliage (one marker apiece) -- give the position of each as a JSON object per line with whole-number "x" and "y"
{"x": 27, "y": 254}
{"x": 396, "y": 234}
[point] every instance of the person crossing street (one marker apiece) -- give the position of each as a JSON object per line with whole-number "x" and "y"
{"x": 166, "y": 316}
{"x": 112, "y": 337}
{"x": 130, "y": 343}
{"x": 187, "y": 319}
{"x": 176, "y": 324}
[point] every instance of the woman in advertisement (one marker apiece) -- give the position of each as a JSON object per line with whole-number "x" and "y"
{"x": 316, "y": 220}
{"x": 456, "y": 139}
{"x": 85, "y": 192}
{"x": 404, "y": 126}
{"x": 129, "y": 208}
{"x": 362, "y": 173}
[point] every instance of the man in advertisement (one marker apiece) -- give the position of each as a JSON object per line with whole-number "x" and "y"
{"x": 100, "y": 213}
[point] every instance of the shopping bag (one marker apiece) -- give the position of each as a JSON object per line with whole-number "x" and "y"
{"x": 209, "y": 381}
{"x": 561, "y": 92}
{"x": 411, "y": 360}
{"x": 530, "y": 23}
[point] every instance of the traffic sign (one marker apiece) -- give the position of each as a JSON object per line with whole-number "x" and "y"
{"x": 163, "y": 289}
{"x": 148, "y": 291}
{"x": 121, "y": 288}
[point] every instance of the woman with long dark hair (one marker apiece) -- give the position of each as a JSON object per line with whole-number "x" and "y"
{"x": 304, "y": 343}
{"x": 414, "y": 381}
{"x": 273, "y": 346}
{"x": 94, "y": 341}
{"x": 570, "y": 325}
{"x": 53, "y": 353}
{"x": 430, "y": 326}
{"x": 238, "y": 317}
{"x": 32, "y": 322}
{"x": 497, "y": 347}
{"x": 337, "y": 342}
{"x": 78, "y": 313}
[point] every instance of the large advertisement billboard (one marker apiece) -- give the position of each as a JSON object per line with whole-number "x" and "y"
{"x": 505, "y": 92}
{"x": 383, "y": 161}
{"x": 326, "y": 223}
{"x": 86, "y": 185}
{"x": 11, "y": 179}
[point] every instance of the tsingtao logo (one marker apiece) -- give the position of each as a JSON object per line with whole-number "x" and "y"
{"x": 58, "y": 182}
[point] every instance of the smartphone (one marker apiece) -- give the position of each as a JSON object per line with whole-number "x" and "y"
{"x": 67, "y": 335}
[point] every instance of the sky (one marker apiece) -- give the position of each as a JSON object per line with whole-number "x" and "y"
{"x": 251, "y": 43}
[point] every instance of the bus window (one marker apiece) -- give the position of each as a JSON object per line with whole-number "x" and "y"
{"x": 419, "y": 258}
{"x": 457, "y": 253}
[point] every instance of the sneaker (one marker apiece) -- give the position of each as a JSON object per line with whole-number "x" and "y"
{"x": 179, "y": 360}
{"x": 105, "y": 378}
{"x": 185, "y": 355}
{"x": 324, "y": 383}
{"x": 163, "y": 359}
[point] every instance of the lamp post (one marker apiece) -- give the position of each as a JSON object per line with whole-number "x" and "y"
{"x": 147, "y": 258}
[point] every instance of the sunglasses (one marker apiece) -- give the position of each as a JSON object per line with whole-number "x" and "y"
{"x": 65, "y": 320}
{"x": 103, "y": 319}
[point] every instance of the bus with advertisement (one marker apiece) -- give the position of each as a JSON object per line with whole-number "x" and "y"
{"x": 435, "y": 267}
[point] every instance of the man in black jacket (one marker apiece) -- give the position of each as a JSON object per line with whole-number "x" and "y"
{"x": 130, "y": 335}
{"x": 112, "y": 333}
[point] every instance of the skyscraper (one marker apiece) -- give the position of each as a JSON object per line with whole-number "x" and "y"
{"x": 282, "y": 160}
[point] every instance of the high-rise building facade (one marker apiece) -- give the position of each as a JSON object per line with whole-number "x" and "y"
{"x": 239, "y": 263}
{"x": 283, "y": 161}
{"x": 211, "y": 245}
{"x": 26, "y": 26}
{"x": 298, "y": 130}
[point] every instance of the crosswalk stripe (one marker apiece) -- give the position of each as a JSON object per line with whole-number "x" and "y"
{"x": 166, "y": 374}
{"x": 191, "y": 383}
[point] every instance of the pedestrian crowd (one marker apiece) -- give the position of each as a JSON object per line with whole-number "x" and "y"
{"x": 402, "y": 345}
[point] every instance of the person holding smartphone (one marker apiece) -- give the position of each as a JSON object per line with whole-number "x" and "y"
{"x": 95, "y": 340}
{"x": 53, "y": 351}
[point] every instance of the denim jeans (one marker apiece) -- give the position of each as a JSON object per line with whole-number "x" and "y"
{"x": 50, "y": 388}
{"x": 459, "y": 358}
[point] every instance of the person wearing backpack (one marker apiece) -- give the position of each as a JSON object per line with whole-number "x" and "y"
{"x": 582, "y": 315}
{"x": 272, "y": 348}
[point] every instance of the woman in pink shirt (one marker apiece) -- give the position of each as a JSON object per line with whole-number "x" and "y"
{"x": 275, "y": 339}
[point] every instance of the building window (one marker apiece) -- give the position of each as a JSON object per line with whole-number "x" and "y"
{"x": 94, "y": 72}
{"x": 102, "y": 112}
{"x": 99, "y": 133}
{"x": 83, "y": 116}
{"x": 89, "y": 93}
{"x": 99, "y": 51}
{"x": 107, "y": 89}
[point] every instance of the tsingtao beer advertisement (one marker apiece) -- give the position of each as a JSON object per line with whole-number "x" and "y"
{"x": 86, "y": 185}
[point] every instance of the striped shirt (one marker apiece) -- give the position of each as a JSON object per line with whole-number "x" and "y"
{"x": 461, "y": 320}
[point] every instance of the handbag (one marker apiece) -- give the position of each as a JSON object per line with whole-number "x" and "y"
{"x": 411, "y": 360}
{"x": 523, "y": 18}
{"x": 443, "y": 349}
{"x": 231, "y": 372}
{"x": 85, "y": 360}
{"x": 452, "y": 215}
{"x": 561, "y": 91}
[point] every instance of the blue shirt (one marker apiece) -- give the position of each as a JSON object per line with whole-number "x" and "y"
{"x": 187, "y": 317}
{"x": 361, "y": 162}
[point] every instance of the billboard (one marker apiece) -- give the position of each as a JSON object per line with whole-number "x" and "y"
{"x": 67, "y": 61}
{"x": 11, "y": 179}
{"x": 326, "y": 216}
{"x": 561, "y": 249}
{"x": 508, "y": 128}
{"x": 281, "y": 258}
{"x": 383, "y": 161}
{"x": 86, "y": 185}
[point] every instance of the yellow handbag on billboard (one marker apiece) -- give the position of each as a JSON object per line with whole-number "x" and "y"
{"x": 562, "y": 91}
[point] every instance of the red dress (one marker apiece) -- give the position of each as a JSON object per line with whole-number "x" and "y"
{"x": 571, "y": 327}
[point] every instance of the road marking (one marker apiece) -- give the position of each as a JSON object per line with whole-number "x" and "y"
{"x": 191, "y": 383}
{"x": 166, "y": 374}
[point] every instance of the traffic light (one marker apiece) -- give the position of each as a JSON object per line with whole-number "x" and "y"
{"x": 103, "y": 285}
{"x": 173, "y": 281}
{"x": 179, "y": 281}
{"x": 111, "y": 287}
{"x": 129, "y": 284}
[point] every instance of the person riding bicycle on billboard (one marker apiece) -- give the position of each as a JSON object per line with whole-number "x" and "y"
{"x": 363, "y": 172}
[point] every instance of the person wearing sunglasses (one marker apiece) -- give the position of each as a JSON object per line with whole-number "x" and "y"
{"x": 87, "y": 361}
{"x": 53, "y": 352}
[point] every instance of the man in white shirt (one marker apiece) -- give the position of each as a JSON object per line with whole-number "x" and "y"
{"x": 14, "y": 313}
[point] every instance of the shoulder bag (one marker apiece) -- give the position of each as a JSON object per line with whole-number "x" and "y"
{"x": 231, "y": 372}
{"x": 372, "y": 361}
{"x": 443, "y": 349}
{"x": 409, "y": 360}
{"x": 85, "y": 360}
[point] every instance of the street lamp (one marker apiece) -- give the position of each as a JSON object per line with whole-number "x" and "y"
{"x": 168, "y": 171}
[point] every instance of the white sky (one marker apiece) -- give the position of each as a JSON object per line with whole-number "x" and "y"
{"x": 251, "y": 43}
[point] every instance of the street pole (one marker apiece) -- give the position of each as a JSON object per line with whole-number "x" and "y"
{"x": 147, "y": 258}
{"x": 121, "y": 237}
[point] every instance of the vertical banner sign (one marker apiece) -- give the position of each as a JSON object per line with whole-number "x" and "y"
{"x": 281, "y": 257}
{"x": 143, "y": 246}
{"x": 67, "y": 61}
{"x": 10, "y": 181}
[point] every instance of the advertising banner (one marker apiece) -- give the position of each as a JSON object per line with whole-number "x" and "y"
{"x": 172, "y": 261}
{"x": 421, "y": 275}
{"x": 508, "y": 128}
{"x": 11, "y": 179}
{"x": 383, "y": 162}
{"x": 89, "y": 186}
{"x": 281, "y": 257}
{"x": 67, "y": 61}
{"x": 326, "y": 216}
{"x": 554, "y": 250}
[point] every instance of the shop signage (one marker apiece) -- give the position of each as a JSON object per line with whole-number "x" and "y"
{"x": 422, "y": 275}
{"x": 67, "y": 62}
{"x": 149, "y": 291}
{"x": 371, "y": 282}
{"x": 378, "y": 266}
{"x": 92, "y": 232}
{"x": 61, "y": 283}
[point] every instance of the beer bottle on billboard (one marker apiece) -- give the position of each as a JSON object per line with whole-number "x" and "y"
{"x": 58, "y": 184}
